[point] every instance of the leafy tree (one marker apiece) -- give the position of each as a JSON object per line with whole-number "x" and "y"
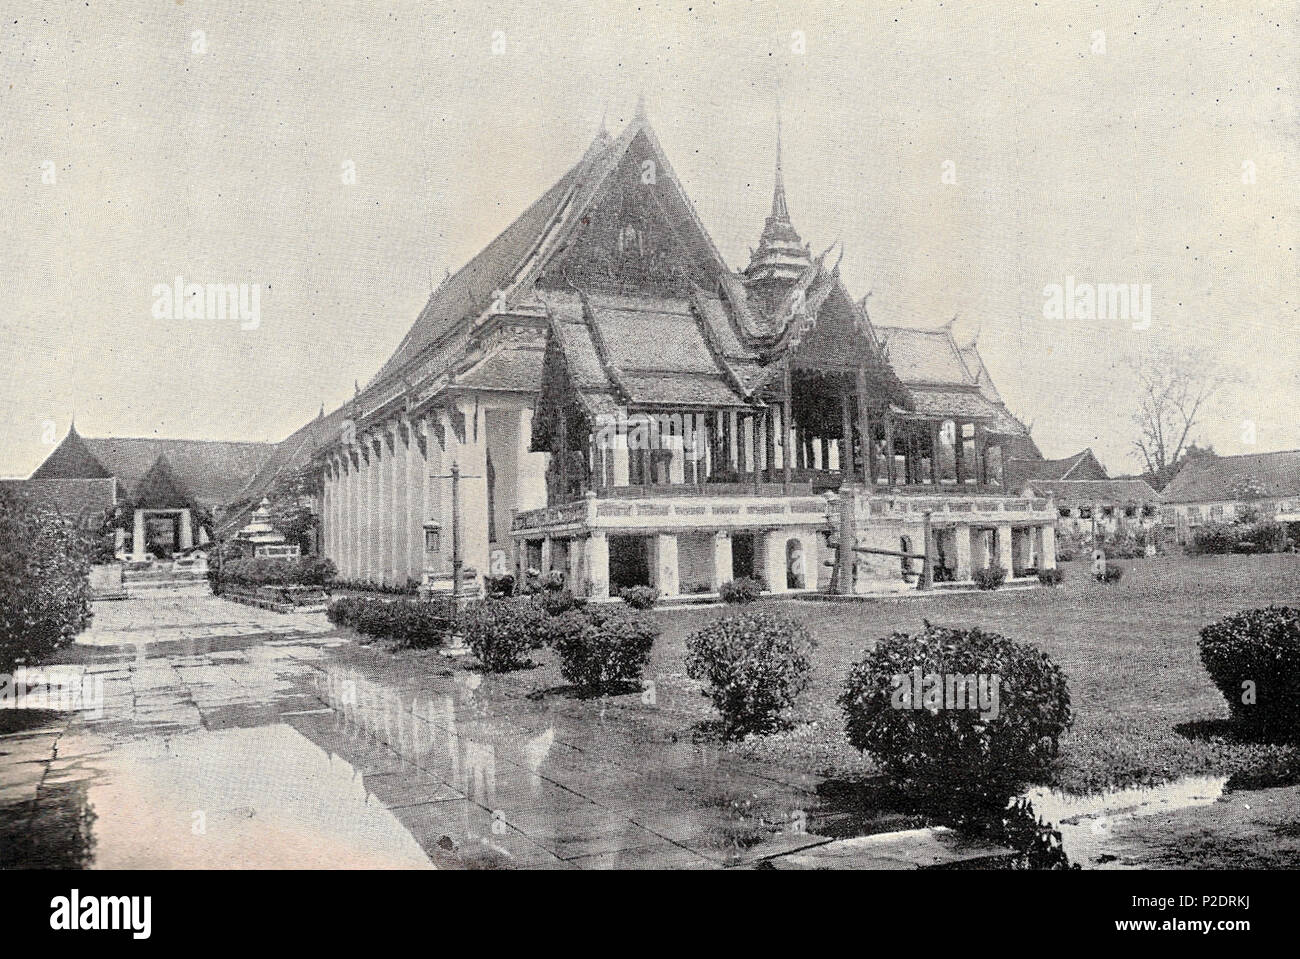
{"x": 44, "y": 582}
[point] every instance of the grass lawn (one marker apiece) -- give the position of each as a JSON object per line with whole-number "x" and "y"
{"x": 1145, "y": 710}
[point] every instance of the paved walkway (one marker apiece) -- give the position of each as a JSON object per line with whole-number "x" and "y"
{"x": 232, "y": 737}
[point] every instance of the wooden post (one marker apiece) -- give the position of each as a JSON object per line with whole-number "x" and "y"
{"x": 927, "y": 565}
{"x": 787, "y": 427}
{"x": 934, "y": 454}
{"x": 455, "y": 533}
{"x": 769, "y": 428}
{"x": 846, "y": 440}
{"x": 960, "y": 449}
{"x": 865, "y": 434}
{"x": 891, "y": 466}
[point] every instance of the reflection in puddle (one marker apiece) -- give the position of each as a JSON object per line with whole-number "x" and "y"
{"x": 239, "y": 798}
{"x": 1087, "y": 822}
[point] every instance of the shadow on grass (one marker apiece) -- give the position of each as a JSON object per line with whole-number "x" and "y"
{"x": 573, "y": 691}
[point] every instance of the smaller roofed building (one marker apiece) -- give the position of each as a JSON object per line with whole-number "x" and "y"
{"x": 1219, "y": 489}
{"x": 1087, "y": 500}
{"x": 172, "y": 487}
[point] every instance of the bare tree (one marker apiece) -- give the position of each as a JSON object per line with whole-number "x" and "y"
{"x": 1174, "y": 388}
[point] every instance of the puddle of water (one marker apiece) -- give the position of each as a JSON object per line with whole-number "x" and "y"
{"x": 239, "y": 798}
{"x": 1086, "y": 822}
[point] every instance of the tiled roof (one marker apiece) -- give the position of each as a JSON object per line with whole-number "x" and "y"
{"x": 951, "y": 402}
{"x": 924, "y": 356}
{"x": 1121, "y": 492}
{"x": 212, "y": 472}
{"x": 1211, "y": 479}
{"x": 519, "y": 368}
{"x": 76, "y": 499}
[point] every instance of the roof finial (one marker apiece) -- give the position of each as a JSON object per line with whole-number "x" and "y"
{"x": 640, "y": 106}
{"x": 356, "y": 388}
{"x": 779, "y": 209}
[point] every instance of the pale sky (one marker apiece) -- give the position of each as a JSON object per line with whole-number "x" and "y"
{"x": 1121, "y": 161}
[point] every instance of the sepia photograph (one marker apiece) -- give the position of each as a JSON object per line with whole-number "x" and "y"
{"x": 745, "y": 436}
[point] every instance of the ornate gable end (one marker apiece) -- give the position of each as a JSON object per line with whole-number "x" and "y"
{"x": 832, "y": 340}
{"x": 636, "y": 236}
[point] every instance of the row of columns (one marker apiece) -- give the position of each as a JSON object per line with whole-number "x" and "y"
{"x": 382, "y": 485}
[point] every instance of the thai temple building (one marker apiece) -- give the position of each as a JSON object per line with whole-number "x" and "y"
{"x": 617, "y": 404}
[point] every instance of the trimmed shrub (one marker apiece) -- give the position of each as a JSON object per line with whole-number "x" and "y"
{"x": 740, "y": 592}
{"x": 1051, "y": 577}
{"x": 990, "y": 577}
{"x": 501, "y": 632}
{"x": 602, "y": 647}
{"x": 640, "y": 597}
{"x": 556, "y": 601}
{"x": 1261, "y": 647}
{"x": 991, "y": 750}
{"x": 44, "y": 582}
{"x": 502, "y": 585}
{"x": 1111, "y": 574}
{"x": 754, "y": 664}
{"x": 412, "y": 624}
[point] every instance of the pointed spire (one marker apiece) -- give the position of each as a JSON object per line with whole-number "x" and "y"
{"x": 781, "y": 252}
{"x": 321, "y": 415}
{"x": 779, "y": 209}
{"x": 640, "y": 106}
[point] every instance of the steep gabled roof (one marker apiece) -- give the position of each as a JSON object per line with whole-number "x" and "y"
{"x": 504, "y": 272}
{"x": 212, "y": 472}
{"x": 1211, "y": 479}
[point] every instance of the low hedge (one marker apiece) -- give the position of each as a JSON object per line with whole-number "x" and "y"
{"x": 262, "y": 571}
{"x": 990, "y": 577}
{"x": 640, "y": 597}
{"x": 1253, "y": 657}
{"x": 1051, "y": 577}
{"x": 1265, "y": 536}
{"x": 740, "y": 592}
{"x": 412, "y": 624}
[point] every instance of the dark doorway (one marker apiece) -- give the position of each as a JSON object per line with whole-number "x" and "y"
{"x": 742, "y": 556}
{"x": 629, "y": 563}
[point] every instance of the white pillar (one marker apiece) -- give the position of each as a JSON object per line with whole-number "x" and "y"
{"x": 1004, "y": 553}
{"x": 1048, "y": 559}
{"x": 137, "y": 537}
{"x": 414, "y": 503}
{"x": 722, "y": 559}
{"x": 597, "y": 563}
{"x": 187, "y": 530}
{"x": 773, "y": 561}
{"x": 962, "y": 535}
{"x": 397, "y": 506}
{"x": 370, "y": 470}
{"x": 473, "y": 488}
{"x": 667, "y": 577}
{"x": 619, "y": 452}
